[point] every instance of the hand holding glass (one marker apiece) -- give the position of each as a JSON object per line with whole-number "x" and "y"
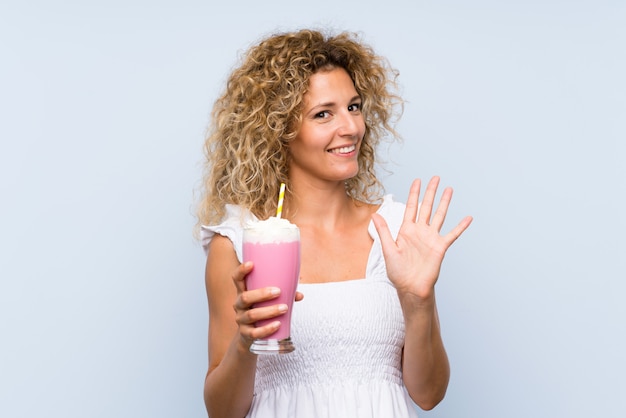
{"x": 275, "y": 252}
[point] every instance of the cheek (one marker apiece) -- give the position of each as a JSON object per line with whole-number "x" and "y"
{"x": 362, "y": 126}
{"x": 312, "y": 138}
{"x": 301, "y": 147}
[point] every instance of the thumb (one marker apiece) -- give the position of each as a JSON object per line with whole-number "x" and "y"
{"x": 386, "y": 239}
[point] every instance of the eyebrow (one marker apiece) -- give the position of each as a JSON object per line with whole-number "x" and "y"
{"x": 331, "y": 104}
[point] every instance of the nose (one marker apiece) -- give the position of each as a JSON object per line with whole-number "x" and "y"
{"x": 350, "y": 124}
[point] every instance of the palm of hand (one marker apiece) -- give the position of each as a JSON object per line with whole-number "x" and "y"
{"x": 414, "y": 259}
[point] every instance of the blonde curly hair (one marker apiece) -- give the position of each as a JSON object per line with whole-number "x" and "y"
{"x": 260, "y": 112}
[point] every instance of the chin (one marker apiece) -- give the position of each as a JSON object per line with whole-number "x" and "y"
{"x": 350, "y": 176}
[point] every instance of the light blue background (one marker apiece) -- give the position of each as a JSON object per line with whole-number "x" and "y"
{"x": 520, "y": 105}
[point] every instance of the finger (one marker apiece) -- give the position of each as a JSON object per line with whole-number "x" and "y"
{"x": 427, "y": 204}
{"x": 386, "y": 239}
{"x": 252, "y": 316}
{"x": 299, "y": 296}
{"x": 440, "y": 214}
{"x": 456, "y": 232}
{"x": 249, "y": 325}
{"x": 412, "y": 204}
{"x": 239, "y": 275}
{"x": 264, "y": 331}
{"x": 247, "y": 299}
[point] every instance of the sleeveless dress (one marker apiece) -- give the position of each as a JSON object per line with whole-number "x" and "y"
{"x": 348, "y": 337}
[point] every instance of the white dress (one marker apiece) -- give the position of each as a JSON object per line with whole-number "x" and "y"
{"x": 348, "y": 337}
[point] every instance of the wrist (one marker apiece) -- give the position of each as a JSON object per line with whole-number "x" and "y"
{"x": 417, "y": 300}
{"x": 242, "y": 348}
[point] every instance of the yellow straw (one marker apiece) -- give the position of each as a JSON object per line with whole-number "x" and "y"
{"x": 281, "y": 197}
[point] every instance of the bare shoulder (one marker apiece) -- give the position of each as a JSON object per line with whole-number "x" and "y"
{"x": 221, "y": 261}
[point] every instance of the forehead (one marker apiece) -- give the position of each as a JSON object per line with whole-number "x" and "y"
{"x": 329, "y": 84}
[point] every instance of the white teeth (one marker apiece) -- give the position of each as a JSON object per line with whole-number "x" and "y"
{"x": 343, "y": 150}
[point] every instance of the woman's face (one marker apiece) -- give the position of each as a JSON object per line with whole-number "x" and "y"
{"x": 327, "y": 144}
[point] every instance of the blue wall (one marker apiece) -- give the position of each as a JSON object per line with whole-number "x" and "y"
{"x": 518, "y": 105}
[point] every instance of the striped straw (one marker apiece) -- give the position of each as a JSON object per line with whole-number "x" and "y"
{"x": 281, "y": 197}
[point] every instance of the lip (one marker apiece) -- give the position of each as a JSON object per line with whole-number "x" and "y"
{"x": 343, "y": 150}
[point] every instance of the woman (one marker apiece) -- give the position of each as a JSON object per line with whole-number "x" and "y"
{"x": 309, "y": 110}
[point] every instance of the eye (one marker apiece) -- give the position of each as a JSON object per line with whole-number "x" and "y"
{"x": 322, "y": 115}
{"x": 354, "y": 107}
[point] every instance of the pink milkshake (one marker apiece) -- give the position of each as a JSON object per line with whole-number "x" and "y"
{"x": 273, "y": 246}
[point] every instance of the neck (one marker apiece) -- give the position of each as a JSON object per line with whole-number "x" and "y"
{"x": 325, "y": 205}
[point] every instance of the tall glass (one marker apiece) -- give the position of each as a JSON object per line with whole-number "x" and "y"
{"x": 274, "y": 248}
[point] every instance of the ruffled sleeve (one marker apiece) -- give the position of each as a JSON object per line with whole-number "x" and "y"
{"x": 231, "y": 228}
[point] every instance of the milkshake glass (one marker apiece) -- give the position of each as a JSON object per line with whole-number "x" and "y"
{"x": 273, "y": 246}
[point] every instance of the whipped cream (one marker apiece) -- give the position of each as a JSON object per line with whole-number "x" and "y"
{"x": 271, "y": 230}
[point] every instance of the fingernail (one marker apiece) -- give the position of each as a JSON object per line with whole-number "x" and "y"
{"x": 274, "y": 291}
{"x": 282, "y": 308}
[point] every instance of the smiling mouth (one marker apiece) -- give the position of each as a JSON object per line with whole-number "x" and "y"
{"x": 342, "y": 150}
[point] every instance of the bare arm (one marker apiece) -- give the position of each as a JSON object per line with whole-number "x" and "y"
{"x": 229, "y": 384}
{"x": 425, "y": 366}
{"x": 413, "y": 264}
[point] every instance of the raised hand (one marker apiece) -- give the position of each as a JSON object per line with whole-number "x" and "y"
{"x": 414, "y": 259}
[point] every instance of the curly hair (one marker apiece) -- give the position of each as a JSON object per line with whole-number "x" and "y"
{"x": 260, "y": 111}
